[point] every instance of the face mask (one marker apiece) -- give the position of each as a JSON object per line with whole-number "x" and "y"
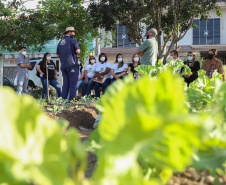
{"x": 72, "y": 36}
{"x": 120, "y": 59}
{"x": 48, "y": 58}
{"x": 79, "y": 62}
{"x": 24, "y": 52}
{"x": 189, "y": 58}
{"x": 102, "y": 59}
{"x": 170, "y": 58}
{"x": 147, "y": 36}
{"x": 92, "y": 61}
{"x": 210, "y": 56}
{"x": 136, "y": 59}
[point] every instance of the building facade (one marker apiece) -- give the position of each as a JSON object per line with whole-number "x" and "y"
{"x": 209, "y": 34}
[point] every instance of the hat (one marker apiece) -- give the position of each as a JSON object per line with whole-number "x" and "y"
{"x": 70, "y": 29}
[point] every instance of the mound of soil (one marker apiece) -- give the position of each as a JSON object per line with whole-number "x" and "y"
{"x": 80, "y": 116}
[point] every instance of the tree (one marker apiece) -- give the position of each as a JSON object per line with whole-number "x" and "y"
{"x": 172, "y": 18}
{"x": 65, "y": 13}
{"x": 21, "y": 26}
{"x": 18, "y": 28}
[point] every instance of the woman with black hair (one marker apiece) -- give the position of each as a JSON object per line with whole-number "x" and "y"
{"x": 52, "y": 74}
{"x": 136, "y": 62}
{"x": 119, "y": 68}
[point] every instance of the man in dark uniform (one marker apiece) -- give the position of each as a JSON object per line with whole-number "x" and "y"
{"x": 67, "y": 51}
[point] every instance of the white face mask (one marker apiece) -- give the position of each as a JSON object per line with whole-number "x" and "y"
{"x": 102, "y": 59}
{"x": 93, "y": 60}
{"x": 171, "y": 58}
{"x": 120, "y": 59}
{"x": 48, "y": 58}
{"x": 24, "y": 52}
{"x": 79, "y": 62}
{"x": 136, "y": 59}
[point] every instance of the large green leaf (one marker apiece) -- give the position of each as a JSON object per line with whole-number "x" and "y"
{"x": 33, "y": 147}
{"x": 147, "y": 120}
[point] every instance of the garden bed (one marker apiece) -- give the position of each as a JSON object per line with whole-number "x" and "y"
{"x": 82, "y": 116}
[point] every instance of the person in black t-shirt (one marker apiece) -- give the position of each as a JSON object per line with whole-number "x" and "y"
{"x": 52, "y": 74}
{"x": 136, "y": 62}
{"x": 193, "y": 65}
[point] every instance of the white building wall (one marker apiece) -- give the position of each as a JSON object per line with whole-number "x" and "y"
{"x": 188, "y": 38}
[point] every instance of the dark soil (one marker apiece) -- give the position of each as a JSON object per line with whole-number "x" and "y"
{"x": 82, "y": 117}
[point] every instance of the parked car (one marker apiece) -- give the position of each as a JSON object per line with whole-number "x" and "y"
{"x": 35, "y": 81}
{"x": 6, "y": 82}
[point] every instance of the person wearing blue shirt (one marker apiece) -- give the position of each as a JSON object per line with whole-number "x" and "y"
{"x": 67, "y": 51}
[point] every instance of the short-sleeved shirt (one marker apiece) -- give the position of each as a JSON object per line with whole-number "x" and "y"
{"x": 66, "y": 50}
{"x": 90, "y": 70}
{"x": 22, "y": 72}
{"x": 150, "y": 49}
{"x": 119, "y": 69}
{"x": 102, "y": 67}
{"x": 51, "y": 69}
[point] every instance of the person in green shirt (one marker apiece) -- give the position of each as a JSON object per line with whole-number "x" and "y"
{"x": 149, "y": 49}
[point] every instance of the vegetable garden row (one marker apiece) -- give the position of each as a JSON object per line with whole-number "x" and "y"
{"x": 150, "y": 128}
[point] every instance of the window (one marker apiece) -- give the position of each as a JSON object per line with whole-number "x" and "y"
{"x": 207, "y": 32}
{"x": 121, "y": 37}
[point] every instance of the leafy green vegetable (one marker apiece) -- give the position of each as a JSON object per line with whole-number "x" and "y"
{"x": 32, "y": 146}
{"x": 201, "y": 91}
{"x": 186, "y": 70}
{"x": 146, "y": 121}
{"x": 152, "y": 71}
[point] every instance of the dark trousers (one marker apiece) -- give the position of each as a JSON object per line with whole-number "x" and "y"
{"x": 53, "y": 83}
{"x": 86, "y": 88}
{"x": 70, "y": 79}
{"x": 104, "y": 86}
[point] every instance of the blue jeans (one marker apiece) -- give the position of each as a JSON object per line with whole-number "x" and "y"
{"x": 104, "y": 85}
{"x": 70, "y": 79}
{"x": 87, "y": 90}
{"x": 53, "y": 83}
{"x": 22, "y": 84}
{"x": 79, "y": 83}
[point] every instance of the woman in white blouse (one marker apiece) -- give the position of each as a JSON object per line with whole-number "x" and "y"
{"x": 103, "y": 68}
{"x": 119, "y": 68}
{"x": 89, "y": 73}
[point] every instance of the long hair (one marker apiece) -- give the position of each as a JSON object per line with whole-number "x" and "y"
{"x": 193, "y": 59}
{"x": 116, "y": 60}
{"x": 44, "y": 59}
{"x": 80, "y": 64}
{"x": 133, "y": 58}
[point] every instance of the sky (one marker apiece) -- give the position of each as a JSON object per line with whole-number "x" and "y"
{"x": 31, "y": 4}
